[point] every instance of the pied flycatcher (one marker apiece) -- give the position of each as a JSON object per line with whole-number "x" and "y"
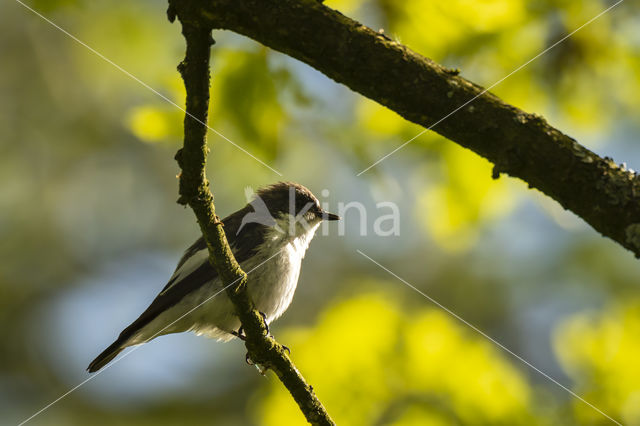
{"x": 268, "y": 237}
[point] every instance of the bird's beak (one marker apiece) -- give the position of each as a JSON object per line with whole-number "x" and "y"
{"x": 330, "y": 216}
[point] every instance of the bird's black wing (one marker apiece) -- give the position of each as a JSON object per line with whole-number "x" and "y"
{"x": 243, "y": 245}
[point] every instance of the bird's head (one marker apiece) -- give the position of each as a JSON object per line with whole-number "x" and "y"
{"x": 295, "y": 209}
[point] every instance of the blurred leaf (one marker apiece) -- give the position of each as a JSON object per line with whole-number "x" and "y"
{"x": 153, "y": 124}
{"x": 245, "y": 95}
{"x": 372, "y": 362}
{"x": 454, "y": 208}
{"x": 345, "y": 6}
{"x": 381, "y": 122}
{"x": 53, "y": 5}
{"x": 435, "y": 28}
{"x": 600, "y": 352}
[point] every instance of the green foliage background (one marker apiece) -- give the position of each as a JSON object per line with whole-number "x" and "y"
{"x": 90, "y": 232}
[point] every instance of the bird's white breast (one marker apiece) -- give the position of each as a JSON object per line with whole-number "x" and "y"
{"x": 274, "y": 279}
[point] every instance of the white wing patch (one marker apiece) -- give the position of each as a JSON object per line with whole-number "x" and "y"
{"x": 191, "y": 264}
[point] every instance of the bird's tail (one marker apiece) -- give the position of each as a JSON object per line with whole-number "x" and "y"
{"x": 106, "y": 356}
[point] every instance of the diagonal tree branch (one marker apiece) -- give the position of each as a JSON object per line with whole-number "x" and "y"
{"x": 519, "y": 144}
{"x": 194, "y": 191}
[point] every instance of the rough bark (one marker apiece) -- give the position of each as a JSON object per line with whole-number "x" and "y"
{"x": 194, "y": 191}
{"x": 523, "y": 145}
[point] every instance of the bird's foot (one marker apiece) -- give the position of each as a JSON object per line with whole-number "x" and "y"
{"x": 266, "y": 324}
{"x": 264, "y": 316}
{"x": 239, "y": 334}
{"x": 249, "y": 361}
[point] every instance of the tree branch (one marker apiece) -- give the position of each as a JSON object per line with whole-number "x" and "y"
{"x": 520, "y": 144}
{"x": 194, "y": 191}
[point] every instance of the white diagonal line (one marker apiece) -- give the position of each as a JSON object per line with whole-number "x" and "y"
{"x": 128, "y": 74}
{"x": 126, "y": 354}
{"x": 492, "y": 86}
{"x": 491, "y": 339}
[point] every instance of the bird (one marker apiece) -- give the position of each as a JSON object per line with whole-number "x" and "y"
{"x": 269, "y": 246}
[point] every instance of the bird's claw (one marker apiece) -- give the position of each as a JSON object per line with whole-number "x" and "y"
{"x": 249, "y": 361}
{"x": 286, "y": 348}
{"x": 266, "y": 324}
{"x": 239, "y": 334}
